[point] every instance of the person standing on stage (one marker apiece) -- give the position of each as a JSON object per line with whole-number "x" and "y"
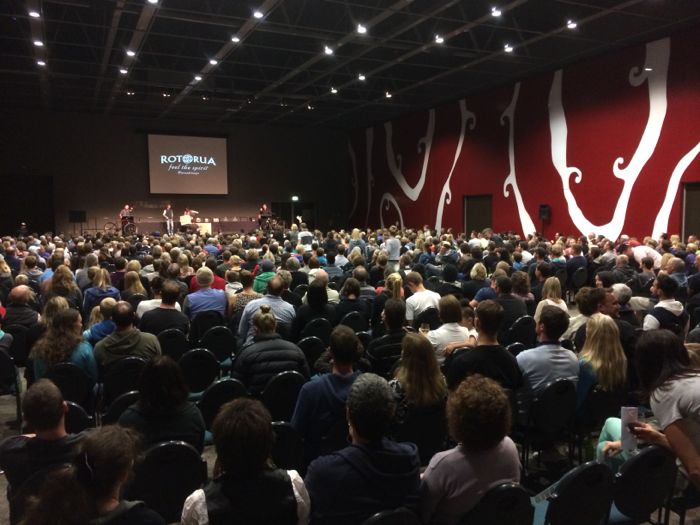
{"x": 169, "y": 223}
{"x": 126, "y": 211}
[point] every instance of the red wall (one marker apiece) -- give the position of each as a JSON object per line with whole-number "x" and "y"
{"x": 612, "y": 107}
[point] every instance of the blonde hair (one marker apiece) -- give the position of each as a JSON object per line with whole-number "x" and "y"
{"x": 264, "y": 320}
{"x": 478, "y": 272}
{"x": 132, "y": 283}
{"x": 603, "y": 351}
{"x": 419, "y": 373}
{"x": 394, "y": 283}
{"x": 101, "y": 279}
{"x": 551, "y": 289}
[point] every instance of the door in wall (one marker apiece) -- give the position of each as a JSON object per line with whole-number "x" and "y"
{"x": 691, "y": 209}
{"x": 477, "y": 212}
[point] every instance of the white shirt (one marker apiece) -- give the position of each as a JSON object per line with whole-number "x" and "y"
{"x": 640, "y": 252}
{"x": 446, "y": 334}
{"x": 151, "y": 304}
{"x": 419, "y": 302}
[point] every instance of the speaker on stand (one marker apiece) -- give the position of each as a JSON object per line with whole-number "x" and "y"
{"x": 545, "y": 214}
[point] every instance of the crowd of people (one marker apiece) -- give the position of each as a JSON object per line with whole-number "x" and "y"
{"x": 437, "y": 312}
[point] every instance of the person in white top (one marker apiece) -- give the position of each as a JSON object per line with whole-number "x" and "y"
{"x": 451, "y": 330}
{"x": 422, "y": 299}
{"x": 551, "y": 296}
{"x": 151, "y": 304}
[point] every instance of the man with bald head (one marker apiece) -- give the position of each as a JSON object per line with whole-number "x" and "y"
{"x": 333, "y": 295}
{"x": 281, "y": 309}
{"x": 18, "y": 310}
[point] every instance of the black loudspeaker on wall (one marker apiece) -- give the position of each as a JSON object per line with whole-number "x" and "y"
{"x": 545, "y": 212}
{"x": 77, "y": 216}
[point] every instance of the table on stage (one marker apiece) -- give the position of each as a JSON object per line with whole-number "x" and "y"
{"x": 204, "y": 228}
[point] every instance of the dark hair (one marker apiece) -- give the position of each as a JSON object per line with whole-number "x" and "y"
{"x": 607, "y": 278}
{"x": 42, "y": 406}
{"x": 394, "y": 313}
{"x": 588, "y": 299}
{"x": 666, "y": 284}
{"x": 478, "y": 414}
{"x": 490, "y": 316}
{"x": 317, "y": 295}
{"x": 647, "y": 262}
{"x": 504, "y": 284}
{"x": 449, "y": 273}
{"x": 660, "y": 356}
{"x": 162, "y": 386}
{"x": 371, "y": 405}
{"x": 344, "y": 345}
{"x": 243, "y": 438}
{"x": 450, "y": 311}
{"x": 275, "y": 286}
{"x": 555, "y": 321}
{"x": 123, "y": 314}
{"x": 351, "y": 287}
{"x": 169, "y": 292}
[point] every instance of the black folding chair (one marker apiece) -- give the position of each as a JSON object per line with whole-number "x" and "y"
{"x": 505, "y": 503}
{"x": 355, "y": 320}
{"x": 135, "y": 299}
{"x": 118, "y": 406}
{"x": 301, "y": 290}
{"x": 288, "y": 449}
{"x": 280, "y": 394}
{"x": 427, "y": 428}
{"x": 312, "y": 347}
{"x": 319, "y": 327}
{"x": 365, "y": 338}
{"x": 73, "y": 382}
{"x": 77, "y": 419}
{"x": 200, "y": 368}
{"x": 384, "y": 359}
{"x": 10, "y": 382}
{"x": 515, "y": 348}
{"x": 429, "y": 316}
{"x": 121, "y": 377}
{"x": 173, "y": 343}
{"x": 400, "y": 516}
{"x": 18, "y": 350}
{"x": 218, "y": 394}
{"x": 202, "y": 322}
{"x": 523, "y": 331}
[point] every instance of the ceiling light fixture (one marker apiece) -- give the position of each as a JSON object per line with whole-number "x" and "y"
{"x": 388, "y": 94}
{"x": 197, "y": 78}
{"x": 40, "y": 63}
{"x": 213, "y": 62}
{"x": 495, "y": 11}
{"x": 130, "y": 93}
{"x": 152, "y": 1}
{"x": 309, "y": 107}
{"x": 258, "y": 14}
{"x": 361, "y": 29}
{"x": 361, "y": 77}
{"x": 327, "y": 50}
{"x": 571, "y": 24}
{"x": 38, "y": 43}
{"x": 205, "y": 98}
{"x": 123, "y": 71}
{"x": 439, "y": 39}
{"x": 130, "y": 53}
{"x": 34, "y": 14}
{"x": 166, "y": 95}
{"x": 235, "y": 39}
{"x": 648, "y": 69}
{"x": 334, "y": 91}
{"x": 508, "y": 48}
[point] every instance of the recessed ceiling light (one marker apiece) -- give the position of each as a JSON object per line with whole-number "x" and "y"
{"x": 334, "y": 91}
{"x": 439, "y": 39}
{"x": 361, "y": 29}
{"x": 258, "y": 14}
{"x": 166, "y": 95}
{"x": 327, "y": 50}
{"x": 495, "y": 11}
{"x": 123, "y": 71}
{"x": 508, "y": 48}
{"x": 205, "y": 98}
{"x": 197, "y": 78}
{"x": 130, "y": 93}
{"x": 130, "y": 53}
{"x": 152, "y": 1}
{"x": 648, "y": 69}
{"x": 361, "y": 77}
{"x": 235, "y": 39}
{"x": 213, "y": 62}
{"x": 40, "y": 63}
{"x": 283, "y": 104}
{"x": 571, "y": 24}
{"x": 309, "y": 107}
{"x": 38, "y": 43}
{"x": 34, "y": 14}
{"x": 388, "y": 94}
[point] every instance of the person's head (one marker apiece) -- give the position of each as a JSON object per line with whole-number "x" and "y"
{"x": 344, "y": 346}
{"x": 246, "y": 279}
{"x": 394, "y": 284}
{"x": 351, "y": 288}
{"x": 521, "y": 283}
{"x": 603, "y": 351}
{"x": 264, "y": 320}
{"x": 169, "y": 292}
{"x": 370, "y": 408}
{"x": 317, "y": 295}
{"x": 478, "y": 414}
{"x": 553, "y": 323}
{"x": 664, "y": 287}
{"x": 622, "y": 293}
{"x": 101, "y": 279}
{"x": 123, "y": 315}
{"x": 243, "y": 438}
{"x": 449, "y": 273}
{"x": 43, "y": 407}
{"x": 292, "y": 264}
{"x": 162, "y": 386}
{"x": 107, "y": 307}
{"x": 648, "y": 263}
{"x": 62, "y": 280}
{"x": 587, "y": 300}
{"x": 361, "y": 274}
{"x": 478, "y": 272}
{"x": 54, "y": 305}
{"x": 604, "y": 279}
{"x": 489, "y": 316}
{"x": 414, "y": 280}
{"x": 20, "y": 295}
{"x": 394, "y": 314}
{"x": 419, "y": 373}
{"x": 132, "y": 283}
{"x": 504, "y": 286}
{"x": 204, "y": 277}
{"x": 450, "y": 311}
{"x": 551, "y": 288}
{"x": 660, "y": 357}
{"x": 61, "y": 338}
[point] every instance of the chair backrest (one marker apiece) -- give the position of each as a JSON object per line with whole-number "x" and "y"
{"x": 427, "y": 428}
{"x": 135, "y": 299}
{"x": 694, "y": 317}
{"x": 504, "y": 503}
{"x": 515, "y": 348}
{"x": 120, "y": 377}
{"x": 355, "y": 320}
{"x": 119, "y": 405}
{"x": 288, "y": 450}
{"x": 430, "y": 316}
{"x": 18, "y": 349}
{"x": 599, "y": 406}
{"x": 384, "y": 359}
{"x": 169, "y": 473}
{"x": 77, "y": 419}
{"x": 8, "y": 372}
{"x": 301, "y": 289}
{"x": 202, "y": 322}
{"x": 579, "y": 278}
{"x": 216, "y": 395}
{"x": 365, "y": 338}
{"x": 280, "y": 394}
{"x": 312, "y": 347}
{"x": 523, "y": 331}
{"x": 173, "y": 343}
{"x": 200, "y": 368}
{"x": 400, "y": 516}
{"x": 19, "y": 496}
{"x": 336, "y": 437}
{"x": 72, "y": 381}
{"x": 582, "y": 497}
{"x": 562, "y": 276}
{"x": 644, "y": 482}
{"x": 552, "y": 411}
{"x": 220, "y": 341}
{"x": 319, "y": 327}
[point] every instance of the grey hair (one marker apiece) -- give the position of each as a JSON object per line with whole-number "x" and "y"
{"x": 292, "y": 264}
{"x": 622, "y": 293}
{"x": 371, "y": 405}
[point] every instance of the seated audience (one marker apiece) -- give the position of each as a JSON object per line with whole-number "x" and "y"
{"x": 394, "y": 318}
{"x": 133, "y": 286}
{"x": 350, "y": 301}
{"x": 317, "y": 305}
{"x": 393, "y": 289}
{"x": 18, "y": 310}
{"x": 551, "y": 296}
{"x": 513, "y": 307}
{"x": 166, "y": 315}
{"x": 62, "y": 283}
{"x": 451, "y": 330}
{"x": 98, "y": 331}
{"x": 421, "y": 299}
{"x": 206, "y": 299}
{"x": 283, "y": 311}
{"x": 101, "y": 288}
{"x": 238, "y": 301}
{"x": 477, "y": 280}
{"x": 668, "y": 313}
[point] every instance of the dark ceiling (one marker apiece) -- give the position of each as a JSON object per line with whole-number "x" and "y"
{"x": 278, "y": 73}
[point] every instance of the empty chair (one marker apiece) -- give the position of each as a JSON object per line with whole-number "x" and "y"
{"x": 169, "y": 473}
{"x": 425, "y": 426}
{"x": 400, "y": 516}
{"x": 598, "y": 406}
{"x": 355, "y": 320}
{"x": 220, "y": 341}
{"x": 505, "y": 503}
{"x": 288, "y": 449}
{"x": 643, "y": 484}
{"x": 280, "y": 394}
{"x": 72, "y": 381}
{"x": 515, "y": 348}
{"x": 312, "y": 347}
{"x": 10, "y": 381}
{"x": 318, "y": 327}
{"x": 202, "y": 322}
{"x": 77, "y": 419}
{"x": 173, "y": 343}
{"x": 216, "y": 395}
{"x": 200, "y": 368}
{"x": 118, "y": 406}
{"x": 120, "y": 377}
{"x": 581, "y": 497}
{"x": 429, "y": 316}
{"x": 18, "y": 349}
{"x": 523, "y": 331}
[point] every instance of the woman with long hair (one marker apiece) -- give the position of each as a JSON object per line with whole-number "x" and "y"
{"x": 551, "y": 296}
{"x": 6, "y": 280}
{"x": 63, "y": 341}
{"x": 63, "y": 284}
{"x": 247, "y": 487}
{"x": 163, "y": 412}
{"x": 89, "y": 490}
{"x": 132, "y": 286}
{"x": 602, "y": 360}
{"x": 237, "y": 302}
{"x": 49, "y": 311}
{"x": 350, "y": 301}
{"x": 477, "y": 281}
{"x": 417, "y": 381}
{"x": 101, "y": 288}
{"x": 393, "y": 289}
{"x": 317, "y": 305}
